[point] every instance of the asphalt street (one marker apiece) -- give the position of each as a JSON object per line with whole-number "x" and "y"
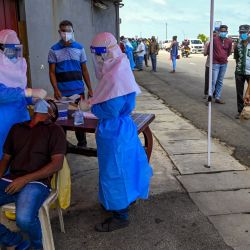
{"x": 183, "y": 91}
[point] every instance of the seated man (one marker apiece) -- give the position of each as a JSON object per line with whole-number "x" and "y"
{"x": 33, "y": 151}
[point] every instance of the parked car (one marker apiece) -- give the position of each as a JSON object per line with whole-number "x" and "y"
{"x": 196, "y": 46}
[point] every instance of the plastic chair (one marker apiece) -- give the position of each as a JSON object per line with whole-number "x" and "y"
{"x": 44, "y": 217}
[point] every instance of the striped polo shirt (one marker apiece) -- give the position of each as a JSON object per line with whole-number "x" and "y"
{"x": 68, "y": 61}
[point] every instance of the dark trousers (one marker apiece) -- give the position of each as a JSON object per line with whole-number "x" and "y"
{"x": 81, "y": 138}
{"x": 206, "y": 87}
{"x": 240, "y": 83}
{"x": 153, "y": 61}
{"x": 146, "y": 60}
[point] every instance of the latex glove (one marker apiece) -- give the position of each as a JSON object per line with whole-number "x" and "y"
{"x": 36, "y": 93}
{"x": 84, "y": 105}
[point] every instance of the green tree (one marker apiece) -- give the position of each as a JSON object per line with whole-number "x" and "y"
{"x": 202, "y": 37}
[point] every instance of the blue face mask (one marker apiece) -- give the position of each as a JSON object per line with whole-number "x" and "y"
{"x": 223, "y": 34}
{"x": 244, "y": 36}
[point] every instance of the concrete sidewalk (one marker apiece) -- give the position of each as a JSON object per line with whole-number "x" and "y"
{"x": 169, "y": 219}
{"x": 221, "y": 192}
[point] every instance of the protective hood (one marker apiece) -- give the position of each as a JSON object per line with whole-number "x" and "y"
{"x": 115, "y": 76}
{"x": 13, "y": 75}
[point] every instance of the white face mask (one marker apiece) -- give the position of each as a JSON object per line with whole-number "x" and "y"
{"x": 98, "y": 65}
{"x": 67, "y": 36}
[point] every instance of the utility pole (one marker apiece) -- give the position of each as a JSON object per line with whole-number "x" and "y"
{"x": 166, "y": 31}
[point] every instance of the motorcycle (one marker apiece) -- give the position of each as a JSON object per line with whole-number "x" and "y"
{"x": 185, "y": 52}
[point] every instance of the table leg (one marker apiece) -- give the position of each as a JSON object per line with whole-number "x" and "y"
{"x": 148, "y": 139}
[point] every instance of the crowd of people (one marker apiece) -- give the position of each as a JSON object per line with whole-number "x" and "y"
{"x": 140, "y": 50}
{"x": 32, "y": 149}
{"x": 222, "y": 49}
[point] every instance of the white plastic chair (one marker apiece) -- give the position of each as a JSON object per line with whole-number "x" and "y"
{"x": 44, "y": 217}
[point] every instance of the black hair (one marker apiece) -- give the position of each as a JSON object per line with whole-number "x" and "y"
{"x": 53, "y": 110}
{"x": 65, "y": 23}
{"x": 175, "y": 38}
{"x": 1, "y": 46}
{"x": 223, "y": 26}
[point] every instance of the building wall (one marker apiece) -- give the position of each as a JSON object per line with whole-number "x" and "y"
{"x": 42, "y": 19}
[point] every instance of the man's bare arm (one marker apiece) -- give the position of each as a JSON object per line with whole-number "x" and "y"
{"x": 52, "y": 76}
{"x": 85, "y": 74}
{"x": 48, "y": 170}
{"x": 4, "y": 163}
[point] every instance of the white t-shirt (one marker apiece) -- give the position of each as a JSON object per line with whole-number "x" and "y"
{"x": 248, "y": 60}
{"x": 140, "y": 47}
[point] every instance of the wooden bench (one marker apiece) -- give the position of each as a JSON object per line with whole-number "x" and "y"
{"x": 141, "y": 120}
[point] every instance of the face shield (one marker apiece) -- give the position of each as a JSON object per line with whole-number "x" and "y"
{"x": 14, "y": 52}
{"x": 98, "y": 55}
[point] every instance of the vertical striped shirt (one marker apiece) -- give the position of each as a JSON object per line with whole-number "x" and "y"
{"x": 68, "y": 61}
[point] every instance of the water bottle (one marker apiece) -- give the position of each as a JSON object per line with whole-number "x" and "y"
{"x": 78, "y": 118}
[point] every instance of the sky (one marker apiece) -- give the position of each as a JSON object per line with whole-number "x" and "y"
{"x": 184, "y": 18}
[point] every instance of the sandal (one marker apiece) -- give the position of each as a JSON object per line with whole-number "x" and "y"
{"x": 111, "y": 224}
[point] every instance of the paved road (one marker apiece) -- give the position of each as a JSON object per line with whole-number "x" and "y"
{"x": 184, "y": 92}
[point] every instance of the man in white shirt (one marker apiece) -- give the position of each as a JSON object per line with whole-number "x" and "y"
{"x": 140, "y": 51}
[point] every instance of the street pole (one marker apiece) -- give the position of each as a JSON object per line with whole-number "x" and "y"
{"x": 210, "y": 85}
{"x": 166, "y": 31}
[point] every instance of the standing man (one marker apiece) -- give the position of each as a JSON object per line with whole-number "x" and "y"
{"x": 174, "y": 52}
{"x": 222, "y": 50}
{"x": 68, "y": 70}
{"x": 140, "y": 52}
{"x": 146, "y": 52}
{"x": 242, "y": 71}
{"x": 153, "y": 52}
{"x": 206, "y": 53}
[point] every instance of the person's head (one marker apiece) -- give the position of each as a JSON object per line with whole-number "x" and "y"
{"x": 174, "y": 38}
{"x": 10, "y": 45}
{"x": 223, "y": 31}
{"x": 66, "y": 31}
{"x": 104, "y": 47}
{"x": 122, "y": 38}
{"x": 45, "y": 110}
{"x": 244, "y": 31}
{"x": 153, "y": 39}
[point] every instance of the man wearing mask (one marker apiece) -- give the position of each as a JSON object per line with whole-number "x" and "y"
{"x": 153, "y": 52}
{"x": 33, "y": 151}
{"x": 242, "y": 71}
{"x": 222, "y": 50}
{"x": 68, "y": 70}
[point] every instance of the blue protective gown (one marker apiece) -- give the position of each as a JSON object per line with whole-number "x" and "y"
{"x": 129, "y": 53}
{"x": 124, "y": 171}
{"x": 13, "y": 109}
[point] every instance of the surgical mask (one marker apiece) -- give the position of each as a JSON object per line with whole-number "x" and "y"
{"x": 42, "y": 107}
{"x": 223, "y": 34}
{"x": 244, "y": 36}
{"x": 67, "y": 36}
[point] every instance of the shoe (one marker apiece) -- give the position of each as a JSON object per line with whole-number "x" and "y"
{"x": 219, "y": 101}
{"x": 173, "y": 71}
{"x": 205, "y": 96}
{"x": 237, "y": 116}
{"x": 111, "y": 224}
{"x": 82, "y": 145}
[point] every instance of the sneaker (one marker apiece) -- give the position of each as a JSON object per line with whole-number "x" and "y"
{"x": 111, "y": 224}
{"x": 219, "y": 101}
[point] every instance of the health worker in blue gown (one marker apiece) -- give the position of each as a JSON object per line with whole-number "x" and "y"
{"x": 129, "y": 52}
{"x": 124, "y": 171}
{"x": 14, "y": 96}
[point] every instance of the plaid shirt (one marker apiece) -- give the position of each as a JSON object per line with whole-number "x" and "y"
{"x": 240, "y": 54}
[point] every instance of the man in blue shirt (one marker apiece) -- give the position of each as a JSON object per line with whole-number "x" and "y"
{"x": 68, "y": 70}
